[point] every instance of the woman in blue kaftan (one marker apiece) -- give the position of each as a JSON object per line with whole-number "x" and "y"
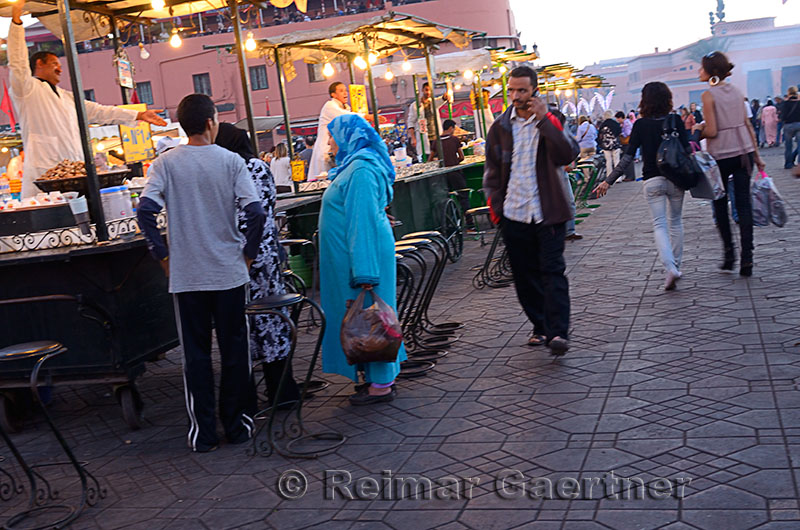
{"x": 357, "y": 247}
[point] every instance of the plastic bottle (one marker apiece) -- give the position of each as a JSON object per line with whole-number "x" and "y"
{"x": 5, "y": 190}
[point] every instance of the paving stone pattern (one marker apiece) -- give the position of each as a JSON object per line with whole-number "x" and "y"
{"x": 700, "y": 384}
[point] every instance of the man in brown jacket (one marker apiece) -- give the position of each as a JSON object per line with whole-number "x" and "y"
{"x": 525, "y": 150}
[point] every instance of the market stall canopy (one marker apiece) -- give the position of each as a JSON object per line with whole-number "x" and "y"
{"x": 474, "y": 60}
{"x": 386, "y": 34}
{"x": 90, "y": 18}
{"x": 262, "y": 123}
{"x": 563, "y": 76}
{"x": 510, "y": 55}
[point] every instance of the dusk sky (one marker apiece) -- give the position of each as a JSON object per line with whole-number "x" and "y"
{"x": 582, "y": 32}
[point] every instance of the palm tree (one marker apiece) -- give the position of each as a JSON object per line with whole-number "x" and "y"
{"x": 702, "y": 48}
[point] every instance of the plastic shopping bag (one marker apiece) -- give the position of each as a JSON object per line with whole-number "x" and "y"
{"x": 760, "y": 194}
{"x": 768, "y": 205}
{"x": 777, "y": 208}
{"x": 710, "y": 185}
{"x": 372, "y": 334}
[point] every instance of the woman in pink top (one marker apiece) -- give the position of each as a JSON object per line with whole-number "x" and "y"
{"x": 769, "y": 120}
{"x": 732, "y": 143}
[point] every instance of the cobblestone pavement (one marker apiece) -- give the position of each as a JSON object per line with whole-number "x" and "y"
{"x": 693, "y": 392}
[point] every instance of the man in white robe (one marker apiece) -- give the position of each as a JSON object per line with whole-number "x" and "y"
{"x": 47, "y": 112}
{"x": 336, "y": 106}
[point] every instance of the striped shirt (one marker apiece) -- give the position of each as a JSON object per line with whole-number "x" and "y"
{"x": 522, "y": 202}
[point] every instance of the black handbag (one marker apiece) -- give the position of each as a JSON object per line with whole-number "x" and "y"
{"x": 673, "y": 158}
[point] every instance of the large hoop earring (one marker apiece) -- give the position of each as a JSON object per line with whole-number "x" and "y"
{"x": 714, "y": 80}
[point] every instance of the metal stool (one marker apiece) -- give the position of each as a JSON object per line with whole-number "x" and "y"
{"x": 415, "y": 326}
{"x": 420, "y": 361}
{"x": 476, "y": 213}
{"x": 496, "y": 269}
{"x": 8, "y": 483}
{"x": 40, "y": 490}
{"x": 412, "y": 306}
{"x": 439, "y": 240}
{"x": 295, "y": 432}
{"x": 91, "y": 491}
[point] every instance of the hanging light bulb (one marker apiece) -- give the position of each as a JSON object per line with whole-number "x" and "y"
{"x": 571, "y": 80}
{"x": 250, "y": 43}
{"x": 144, "y": 54}
{"x": 406, "y": 65}
{"x": 175, "y": 40}
{"x": 158, "y": 5}
{"x": 328, "y": 70}
{"x": 457, "y": 86}
{"x": 503, "y": 69}
{"x": 360, "y": 62}
{"x": 558, "y": 92}
{"x": 372, "y": 58}
{"x": 496, "y": 87}
{"x": 568, "y": 92}
{"x": 4, "y": 149}
{"x": 468, "y": 75}
{"x": 100, "y": 147}
{"x": 389, "y": 75}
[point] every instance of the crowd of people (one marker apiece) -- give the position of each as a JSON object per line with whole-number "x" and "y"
{"x": 731, "y": 140}
{"x": 224, "y": 250}
{"x": 528, "y": 148}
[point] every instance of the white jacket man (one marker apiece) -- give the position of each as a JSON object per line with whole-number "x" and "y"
{"x": 46, "y": 112}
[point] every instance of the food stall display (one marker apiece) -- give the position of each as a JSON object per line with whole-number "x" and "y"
{"x": 110, "y": 265}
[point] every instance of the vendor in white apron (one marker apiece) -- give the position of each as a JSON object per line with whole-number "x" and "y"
{"x": 46, "y": 112}
{"x": 336, "y": 106}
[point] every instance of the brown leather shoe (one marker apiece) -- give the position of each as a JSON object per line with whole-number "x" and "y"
{"x": 575, "y": 236}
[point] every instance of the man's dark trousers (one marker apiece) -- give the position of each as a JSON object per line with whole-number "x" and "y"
{"x": 237, "y": 395}
{"x": 536, "y": 253}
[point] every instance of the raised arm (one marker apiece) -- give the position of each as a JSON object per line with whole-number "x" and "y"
{"x": 111, "y": 115}
{"x": 20, "y": 75}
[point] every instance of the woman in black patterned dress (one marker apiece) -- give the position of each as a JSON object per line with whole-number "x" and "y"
{"x": 269, "y": 336}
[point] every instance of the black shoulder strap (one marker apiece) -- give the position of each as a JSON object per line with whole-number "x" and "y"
{"x": 669, "y": 124}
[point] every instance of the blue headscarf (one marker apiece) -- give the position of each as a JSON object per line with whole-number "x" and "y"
{"x": 357, "y": 140}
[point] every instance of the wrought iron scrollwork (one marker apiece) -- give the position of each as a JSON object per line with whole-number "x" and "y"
{"x": 72, "y": 236}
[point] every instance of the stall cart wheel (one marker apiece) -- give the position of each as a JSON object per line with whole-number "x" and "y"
{"x": 132, "y": 406}
{"x": 10, "y": 414}
{"x": 452, "y": 230}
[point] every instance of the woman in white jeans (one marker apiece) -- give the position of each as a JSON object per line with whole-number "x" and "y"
{"x": 664, "y": 197}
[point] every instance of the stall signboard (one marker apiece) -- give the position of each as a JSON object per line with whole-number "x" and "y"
{"x": 124, "y": 73}
{"x": 315, "y": 185}
{"x": 298, "y": 171}
{"x": 137, "y": 141}
{"x": 358, "y": 99}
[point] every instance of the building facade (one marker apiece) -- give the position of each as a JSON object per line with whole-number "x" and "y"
{"x": 766, "y": 59}
{"x": 168, "y": 74}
